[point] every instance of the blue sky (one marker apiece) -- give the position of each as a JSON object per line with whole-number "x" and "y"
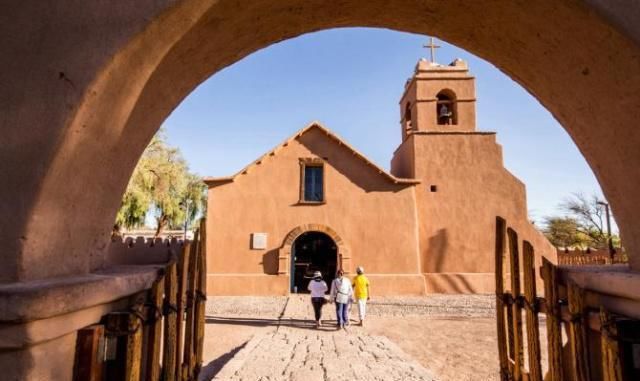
{"x": 351, "y": 80}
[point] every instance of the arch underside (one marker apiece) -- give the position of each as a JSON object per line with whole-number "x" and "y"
{"x": 108, "y": 90}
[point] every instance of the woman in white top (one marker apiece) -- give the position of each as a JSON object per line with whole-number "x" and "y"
{"x": 342, "y": 293}
{"x": 318, "y": 287}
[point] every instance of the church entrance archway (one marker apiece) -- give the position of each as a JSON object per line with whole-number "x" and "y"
{"x": 312, "y": 251}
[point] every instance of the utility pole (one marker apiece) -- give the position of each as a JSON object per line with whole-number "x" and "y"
{"x": 612, "y": 251}
{"x": 186, "y": 217}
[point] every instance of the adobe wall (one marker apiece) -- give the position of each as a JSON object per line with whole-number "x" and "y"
{"x": 457, "y": 221}
{"x": 374, "y": 218}
{"x": 39, "y": 319}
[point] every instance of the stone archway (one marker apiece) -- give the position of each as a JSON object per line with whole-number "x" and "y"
{"x": 284, "y": 253}
{"x": 85, "y": 85}
{"x": 81, "y": 107}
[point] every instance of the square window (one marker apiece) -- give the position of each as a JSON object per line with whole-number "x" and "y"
{"x": 434, "y": 188}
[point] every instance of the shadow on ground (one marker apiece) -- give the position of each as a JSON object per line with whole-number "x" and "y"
{"x": 210, "y": 370}
{"x": 327, "y": 325}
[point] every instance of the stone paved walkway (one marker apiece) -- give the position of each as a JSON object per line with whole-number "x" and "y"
{"x": 297, "y": 351}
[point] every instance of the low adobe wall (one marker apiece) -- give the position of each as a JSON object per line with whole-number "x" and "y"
{"x": 590, "y": 257}
{"x": 39, "y": 319}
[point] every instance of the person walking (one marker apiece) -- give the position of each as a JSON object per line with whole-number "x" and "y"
{"x": 361, "y": 291}
{"x": 341, "y": 294}
{"x": 318, "y": 288}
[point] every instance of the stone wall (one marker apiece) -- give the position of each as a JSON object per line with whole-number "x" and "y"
{"x": 141, "y": 251}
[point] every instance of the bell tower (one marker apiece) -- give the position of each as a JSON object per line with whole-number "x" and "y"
{"x": 438, "y": 98}
{"x": 463, "y": 183}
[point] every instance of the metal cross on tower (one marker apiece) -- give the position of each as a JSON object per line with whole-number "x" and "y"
{"x": 432, "y": 47}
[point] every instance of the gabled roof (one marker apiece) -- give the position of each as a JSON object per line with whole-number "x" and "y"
{"x": 212, "y": 181}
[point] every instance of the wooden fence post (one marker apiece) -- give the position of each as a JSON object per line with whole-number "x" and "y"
{"x": 501, "y": 231}
{"x": 183, "y": 274}
{"x": 611, "y": 365}
{"x": 154, "y": 315}
{"x": 577, "y": 332}
{"x": 201, "y": 299}
{"x": 170, "y": 344}
{"x": 516, "y": 328}
{"x": 533, "y": 330}
{"x": 134, "y": 348}
{"x": 128, "y": 367}
{"x": 188, "y": 359}
{"x": 554, "y": 328}
{"x": 89, "y": 361}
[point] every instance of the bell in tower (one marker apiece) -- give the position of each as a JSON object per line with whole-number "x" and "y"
{"x": 439, "y": 98}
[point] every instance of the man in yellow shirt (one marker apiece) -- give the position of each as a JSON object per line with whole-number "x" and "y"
{"x": 361, "y": 292}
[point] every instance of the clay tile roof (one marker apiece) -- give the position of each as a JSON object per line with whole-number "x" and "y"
{"x": 212, "y": 181}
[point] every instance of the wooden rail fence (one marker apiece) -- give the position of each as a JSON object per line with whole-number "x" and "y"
{"x": 595, "y": 343}
{"x": 161, "y": 335}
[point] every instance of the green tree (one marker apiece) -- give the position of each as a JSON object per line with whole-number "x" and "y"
{"x": 161, "y": 182}
{"x": 564, "y": 232}
{"x": 583, "y": 225}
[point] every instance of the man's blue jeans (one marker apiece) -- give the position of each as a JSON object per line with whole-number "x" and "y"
{"x": 342, "y": 313}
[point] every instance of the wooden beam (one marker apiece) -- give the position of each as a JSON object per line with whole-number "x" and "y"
{"x": 501, "y": 229}
{"x": 611, "y": 364}
{"x": 578, "y": 333}
{"x": 89, "y": 361}
{"x": 183, "y": 273}
{"x": 154, "y": 319}
{"x": 554, "y": 333}
{"x": 201, "y": 299}
{"x": 170, "y": 344}
{"x": 188, "y": 359}
{"x": 516, "y": 327}
{"x": 531, "y": 310}
{"x": 134, "y": 348}
{"x": 128, "y": 327}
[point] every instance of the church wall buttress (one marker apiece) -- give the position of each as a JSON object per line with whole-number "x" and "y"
{"x": 471, "y": 188}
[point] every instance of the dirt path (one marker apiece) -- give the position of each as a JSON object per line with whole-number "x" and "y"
{"x": 460, "y": 349}
{"x": 453, "y": 337}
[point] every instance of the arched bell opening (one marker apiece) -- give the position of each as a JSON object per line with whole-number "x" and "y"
{"x": 446, "y": 108}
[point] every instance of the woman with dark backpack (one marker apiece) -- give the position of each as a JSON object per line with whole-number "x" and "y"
{"x": 318, "y": 288}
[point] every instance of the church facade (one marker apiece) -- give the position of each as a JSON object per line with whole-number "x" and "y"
{"x": 314, "y": 203}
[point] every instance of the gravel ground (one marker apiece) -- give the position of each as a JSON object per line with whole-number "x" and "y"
{"x": 451, "y": 335}
{"x": 437, "y": 305}
{"x": 252, "y": 306}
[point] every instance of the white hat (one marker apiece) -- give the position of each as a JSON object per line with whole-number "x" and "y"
{"x": 360, "y": 270}
{"x": 317, "y": 274}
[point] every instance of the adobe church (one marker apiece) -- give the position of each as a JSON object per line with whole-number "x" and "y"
{"x": 316, "y": 203}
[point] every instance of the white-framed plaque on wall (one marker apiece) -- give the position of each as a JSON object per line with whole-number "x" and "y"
{"x": 258, "y": 241}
